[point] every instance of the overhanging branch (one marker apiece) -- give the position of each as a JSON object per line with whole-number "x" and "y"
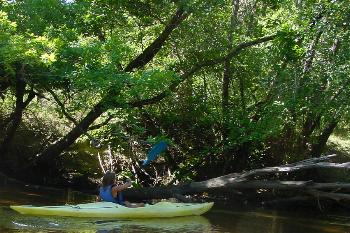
{"x": 211, "y": 62}
{"x": 70, "y": 118}
{"x": 148, "y": 54}
{"x": 61, "y": 105}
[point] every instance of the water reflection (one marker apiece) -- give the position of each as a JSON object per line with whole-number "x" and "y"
{"x": 277, "y": 222}
{"x": 11, "y": 221}
{"x": 36, "y": 195}
{"x": 217, "y": 220}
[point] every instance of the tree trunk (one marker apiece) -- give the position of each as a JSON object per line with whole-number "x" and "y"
{"x": 56, "y": 148}
{"x": 309, "y": 126}
{"x": 16, "y": 117}
{"x": 271, "y": 92}
{"x": 145, "y": 57}
{"x": 310, "y": 55}
{"x": 4, "y": 85}
{"x": 318, "y": 147}
{"x": 226, "y": 86}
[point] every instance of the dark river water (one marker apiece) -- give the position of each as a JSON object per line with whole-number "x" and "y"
{"x": 216, "y": 220}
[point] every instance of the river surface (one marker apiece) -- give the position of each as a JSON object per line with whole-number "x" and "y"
{"x": 216, "y": 220}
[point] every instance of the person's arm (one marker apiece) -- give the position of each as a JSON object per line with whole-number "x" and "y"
{"x": 97, "y": 192}
{"x": 119, "y": 188}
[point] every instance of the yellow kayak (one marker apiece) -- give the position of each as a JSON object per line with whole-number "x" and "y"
{"x": 112, "y": 210}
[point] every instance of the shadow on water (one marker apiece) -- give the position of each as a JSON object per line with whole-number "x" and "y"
{"x": 269, "y": 221}
{"x": 16, "y": 192}
{"x": 12, "y": 222}
{"x": 217, "y": 220}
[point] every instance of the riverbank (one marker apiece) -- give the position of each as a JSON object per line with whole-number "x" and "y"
{"x": 235, "y": 198}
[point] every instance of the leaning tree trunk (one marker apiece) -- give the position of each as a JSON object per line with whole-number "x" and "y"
{"x": 146, "y": 56}
{"x": 58, "y": 147}
{"x": 318, "y": 147}
{"x": 63, "y": 143}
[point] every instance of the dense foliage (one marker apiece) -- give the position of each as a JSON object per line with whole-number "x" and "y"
{"x": 230, "y": 85}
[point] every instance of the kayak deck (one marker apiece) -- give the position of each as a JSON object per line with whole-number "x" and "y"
{"x": 112, "y": 210}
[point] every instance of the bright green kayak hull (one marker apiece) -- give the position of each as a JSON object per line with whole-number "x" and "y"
{"x": 112, "y": 210}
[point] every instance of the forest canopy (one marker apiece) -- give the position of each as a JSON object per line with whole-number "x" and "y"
{"x": 229, "y": 85}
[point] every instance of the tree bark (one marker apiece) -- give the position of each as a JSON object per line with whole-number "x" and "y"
{"x": 254, "y": 179}
{"x": 322, "y": 139}
{"x": 309, "y": 126}
{"x": 57, "y": 147}
{"x": 16, "y": 116}
{"x": 148, "y": 54}
{"x": 235, "y": 185}
{"x": 4, "y": 85}
{"x": 310, "y": 55}
{"x": 261, "y": 105}
{"x": 226, "y": 86}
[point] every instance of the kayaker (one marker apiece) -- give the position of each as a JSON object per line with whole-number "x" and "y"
{"x": 111, "y": 192}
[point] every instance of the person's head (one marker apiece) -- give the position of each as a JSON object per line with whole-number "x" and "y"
{"x": 108, "y": 179}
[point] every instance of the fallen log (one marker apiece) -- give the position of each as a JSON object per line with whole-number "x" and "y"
{"x": 198, "y": 187}
{"x": 285, "y": 185}
{"x": 288, "y": 169}
{"x": 247, "y": 180}
{"x": 313, "y": 160}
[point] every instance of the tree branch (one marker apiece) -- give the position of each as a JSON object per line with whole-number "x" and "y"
{"x": 311, "y": 52}
{"x": 211, "y": 62}
{"x": 148, "y": 54}
{"x": 61, "y": 105}
{"x": 66, "y": 114}
{"x": 105, "y": 122}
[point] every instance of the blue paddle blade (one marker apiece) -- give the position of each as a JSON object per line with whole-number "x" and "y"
{"x": 155, "y": 151}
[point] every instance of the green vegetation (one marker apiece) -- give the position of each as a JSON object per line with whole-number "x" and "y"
{"x": 339, "y": 144}
{"x": 231, "y": 85}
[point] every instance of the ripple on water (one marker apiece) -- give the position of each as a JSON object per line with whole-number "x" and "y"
{"x": 258, "y": 221}
{"x": 10, "y": 221}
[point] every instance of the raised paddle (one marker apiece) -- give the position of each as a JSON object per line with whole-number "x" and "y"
{"x": 155, "y": 151}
